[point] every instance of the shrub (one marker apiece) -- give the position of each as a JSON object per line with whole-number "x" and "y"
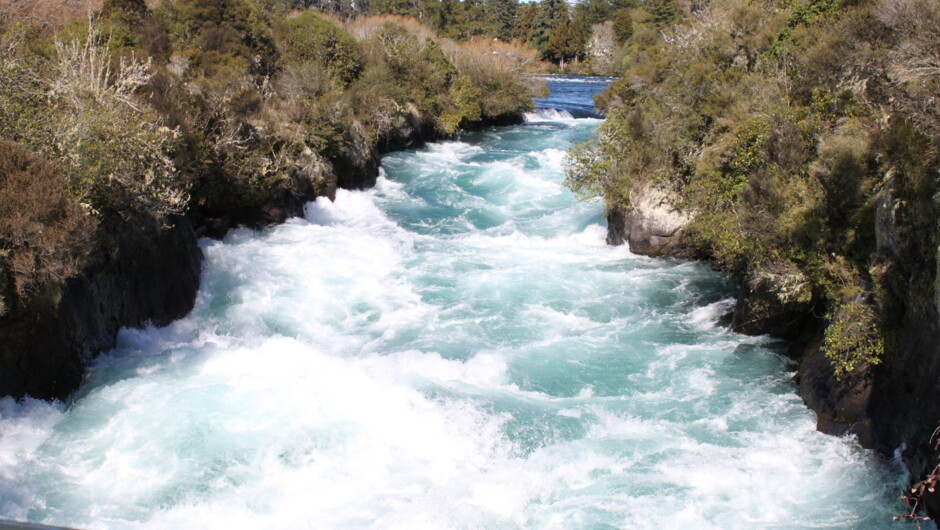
{"x": 308, "y": 37}
{"x": 114, "y": 150}
{"x": 45, "y": 234}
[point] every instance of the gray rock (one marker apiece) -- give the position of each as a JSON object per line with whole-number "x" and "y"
{"x": 653, "y": 226}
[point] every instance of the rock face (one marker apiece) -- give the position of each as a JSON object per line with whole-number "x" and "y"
{"x": 775, "y": 299}
{"x": 136, "y": 276}
{"x": 842, "y": 406}
{"x": 139, "y": 276}
{"x": 653, "y": 226}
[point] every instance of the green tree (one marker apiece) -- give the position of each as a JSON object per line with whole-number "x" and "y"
{"x": 551, "y": 14}
{"x": 568, "y": 41}
{"x": 524, "y": 17}
{"x": 661, "y": 12}
{"x": 594, "y": 11}
{"x": 134, "y": 8}
{"x": 501, "y": 16}
{"x": 623, "y": 25}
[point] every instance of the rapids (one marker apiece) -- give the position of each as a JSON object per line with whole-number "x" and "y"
{"x": 455, "y": 348}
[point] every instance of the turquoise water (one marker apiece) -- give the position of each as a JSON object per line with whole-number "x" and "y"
{"x": 456, "y": 348}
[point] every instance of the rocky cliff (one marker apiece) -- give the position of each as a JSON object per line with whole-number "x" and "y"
{"x": 140, "y": 275}
{"x": 137, "y": 275}
{"x": 889, "y": 406}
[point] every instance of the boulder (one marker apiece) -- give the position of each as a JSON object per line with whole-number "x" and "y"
{"x": 653, "y": 224}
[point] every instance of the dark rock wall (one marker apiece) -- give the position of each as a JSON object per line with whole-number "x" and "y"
{"x": 142, "y": 275}
{"x": 138, "y": 275}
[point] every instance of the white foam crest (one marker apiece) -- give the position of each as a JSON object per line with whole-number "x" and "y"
{"x": 561, "y": 249}
{"x": 453, "y": 151}
{"x": 485, "y": 370}
{"x": 707, "y": 317}
{"x": 552, "y": 160}
{"x": 284, "y": 421}
{"x": 543, "y": 115}
{"x": 24, "y": 427}
{"x": 351, "y": 209}
{"x": 568, "y": 79}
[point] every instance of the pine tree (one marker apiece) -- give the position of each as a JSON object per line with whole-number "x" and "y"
{"x": 568, "y": 41}
{"x": 524, "y": 17}
{"x": 501, "y": 15}
{"x": 623, "y": 25}
{"x": 551, "y": 14}
{"x": 661, "y": 12}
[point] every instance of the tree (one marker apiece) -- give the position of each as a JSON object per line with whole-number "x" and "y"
{"x": 623, "y": 26}
{"x": 661, "y": 12}
{"x": 500, "y": 17}
{"x": 551, "y": 14}
{"x": 524, "y": 17}
{"x": 133, "y": 8}
{"x": 567, "y": 42}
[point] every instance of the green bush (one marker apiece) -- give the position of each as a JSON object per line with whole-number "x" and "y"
{"x": 307, "y": 37}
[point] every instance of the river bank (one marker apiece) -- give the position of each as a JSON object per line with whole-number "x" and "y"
{"x": 456, "y": 346}
{"x": 107, "y": 189}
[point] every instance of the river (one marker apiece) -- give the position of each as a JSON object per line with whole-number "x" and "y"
{"x": 455, "y": 348}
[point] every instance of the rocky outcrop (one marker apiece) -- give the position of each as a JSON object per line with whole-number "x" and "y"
{"x": 653, "y": 224}
{"x": 842, "y": 405}
{"x": 137, "y": 275}
{"x": 775, "y": 299}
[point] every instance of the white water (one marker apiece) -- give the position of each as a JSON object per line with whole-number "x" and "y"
{"x": 540, "y": 115}
{"x": 457, "y": 348}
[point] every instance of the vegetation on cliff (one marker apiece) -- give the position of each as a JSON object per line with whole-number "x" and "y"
{"x": 799, "y": 133}
{"x": 579, "y": 38}
{"x": 223, "y": 110}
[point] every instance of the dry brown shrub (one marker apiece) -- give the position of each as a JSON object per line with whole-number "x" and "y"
{"x": 50, "y": 14}
{"x": 494, "y": 55}
{"x": 45, "y": 235}
{"x": 365, "y": 27}
{"x": 917, "y": 22}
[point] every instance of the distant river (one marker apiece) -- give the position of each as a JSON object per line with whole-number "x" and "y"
{"x": 456, "y": 348}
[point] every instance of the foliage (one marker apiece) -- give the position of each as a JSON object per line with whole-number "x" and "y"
{"x": 623, "y": 25}
{"x": 798, "y": 131}
{"x": 238, "y": 108}
{"x": 307, "y": 37}
{"x": 551, "y": 14}
{"x": 44, "y": 232}
{"x": 568, "y": 41}
{"x": 116, "y": 153}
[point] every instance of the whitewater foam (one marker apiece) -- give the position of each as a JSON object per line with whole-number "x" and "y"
{"x": 543, "y": 115}
{"x": 456, "y": 348}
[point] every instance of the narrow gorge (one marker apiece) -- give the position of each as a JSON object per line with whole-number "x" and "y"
{"x": 456, "y": 347}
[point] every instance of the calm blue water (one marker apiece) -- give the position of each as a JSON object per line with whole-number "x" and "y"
{"x": 456, "y": 348}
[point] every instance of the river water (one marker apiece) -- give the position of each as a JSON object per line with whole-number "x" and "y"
{"x": 456, "y": 348}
